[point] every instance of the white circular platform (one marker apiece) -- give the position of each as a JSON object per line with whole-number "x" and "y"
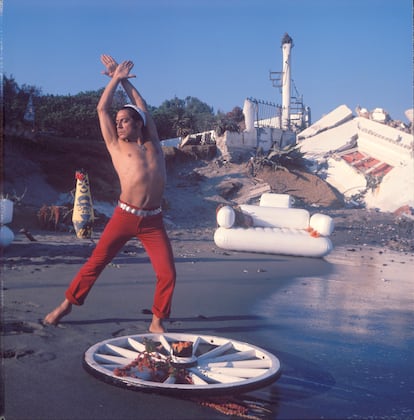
{"x": 213, "y": 364}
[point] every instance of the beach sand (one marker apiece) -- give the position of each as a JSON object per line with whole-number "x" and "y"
{"x": 342, "y": 327}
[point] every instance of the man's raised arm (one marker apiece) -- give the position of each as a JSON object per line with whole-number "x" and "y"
{"x": 133, "y": 94}
{"x": 139, "y": 101}
{"x": 108, "y": 128}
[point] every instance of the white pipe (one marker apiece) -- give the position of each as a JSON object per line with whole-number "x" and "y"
{"x": 287, "y": 45}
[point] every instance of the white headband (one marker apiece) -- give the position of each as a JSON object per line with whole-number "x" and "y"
{"x": 140, "y": 112}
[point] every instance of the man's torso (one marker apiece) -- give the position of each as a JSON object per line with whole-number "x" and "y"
{"x": 141, "y": 171}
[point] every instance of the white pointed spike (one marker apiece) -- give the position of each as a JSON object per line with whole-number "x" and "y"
{"x": 165, "y": 344}
{"x": 121, "y": 351}
{"x": 241, "y": 355}
{"x": 195, "y": 345}
{"x": 216, "y": 377}
{"x": 107, "y": 358}
{"x": 196, "y": 378}
{"x": 136, "y": 344}
{"x": 140, "y": 347}
{"x": 216, "y": 351}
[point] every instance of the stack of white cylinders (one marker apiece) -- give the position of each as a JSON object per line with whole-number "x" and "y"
{"x": 276, "y": 228}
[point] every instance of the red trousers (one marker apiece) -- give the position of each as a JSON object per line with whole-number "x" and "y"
{"x": 122, "y": 227}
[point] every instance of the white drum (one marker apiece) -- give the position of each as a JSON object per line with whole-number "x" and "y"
{"x": 6, "y": 236}
{"x": 6, "y": 211}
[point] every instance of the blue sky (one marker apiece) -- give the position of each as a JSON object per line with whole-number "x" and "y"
{"x": 353, "y": 52}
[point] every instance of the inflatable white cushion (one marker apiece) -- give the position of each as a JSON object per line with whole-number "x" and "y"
{"x": 226, "y": 217}
{"x": 322, "y": 224}
{"x": 273, "y": 241}
{"x": 277, "y": 216}
{"x": 276, "y": 200}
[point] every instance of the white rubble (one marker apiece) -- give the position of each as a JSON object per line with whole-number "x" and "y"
{"x": 339, "y": 133}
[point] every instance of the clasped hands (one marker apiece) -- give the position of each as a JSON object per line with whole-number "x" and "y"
{"x": 112, "y": 68}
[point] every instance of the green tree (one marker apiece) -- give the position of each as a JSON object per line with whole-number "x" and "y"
{"x": 168, "y": 117}
{"x": 199, "y": 115}
{"x": 75, "y": 115}
{"x": 180, "y": 117}
{"x": 15, "y": 99}
{"x": 232, "y": 121}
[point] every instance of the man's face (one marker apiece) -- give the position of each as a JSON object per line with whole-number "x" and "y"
{"x": 127, "y": 128}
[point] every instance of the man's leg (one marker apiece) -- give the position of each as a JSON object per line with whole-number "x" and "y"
{"x": 155, "y": 240}
{"x": 116, "y": 233}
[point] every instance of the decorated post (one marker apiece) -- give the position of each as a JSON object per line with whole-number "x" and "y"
{"x": 83, "y": 216}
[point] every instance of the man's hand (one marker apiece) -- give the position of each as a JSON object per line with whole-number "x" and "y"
{"x": 123, "y": 69}
{"x": 111, "y": 66}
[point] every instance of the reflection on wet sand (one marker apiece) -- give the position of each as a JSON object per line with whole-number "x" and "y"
{"x": 368, "y": 292}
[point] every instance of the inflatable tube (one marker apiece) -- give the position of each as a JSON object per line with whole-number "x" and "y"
{"x": 277, "y": 217}
{"x": 322, "y": 224}
{"x": 276, "y": 200}
{"x": 273, "y": 241}
{"x": 6, "y": 236}
{"x": 83, "y": 216}
{"x": 6, "y": 211}
{"x": 226, "y": 217}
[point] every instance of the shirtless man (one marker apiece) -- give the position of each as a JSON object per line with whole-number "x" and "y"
{"x": 138, "y": 159}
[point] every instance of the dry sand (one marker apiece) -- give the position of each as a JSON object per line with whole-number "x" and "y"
{"x": 341, "y": 326}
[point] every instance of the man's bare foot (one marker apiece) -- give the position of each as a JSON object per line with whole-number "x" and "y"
{"x": 58, "y": 313}
{"x": 156, "y": 326}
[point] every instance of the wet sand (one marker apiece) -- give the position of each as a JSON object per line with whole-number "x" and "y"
{"x": 342, "y": 327}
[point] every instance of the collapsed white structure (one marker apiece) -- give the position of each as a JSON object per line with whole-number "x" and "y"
{"x": 231, "y": 145}
{"x": 364, "y": 159}
{"x": 368, "y": 158}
